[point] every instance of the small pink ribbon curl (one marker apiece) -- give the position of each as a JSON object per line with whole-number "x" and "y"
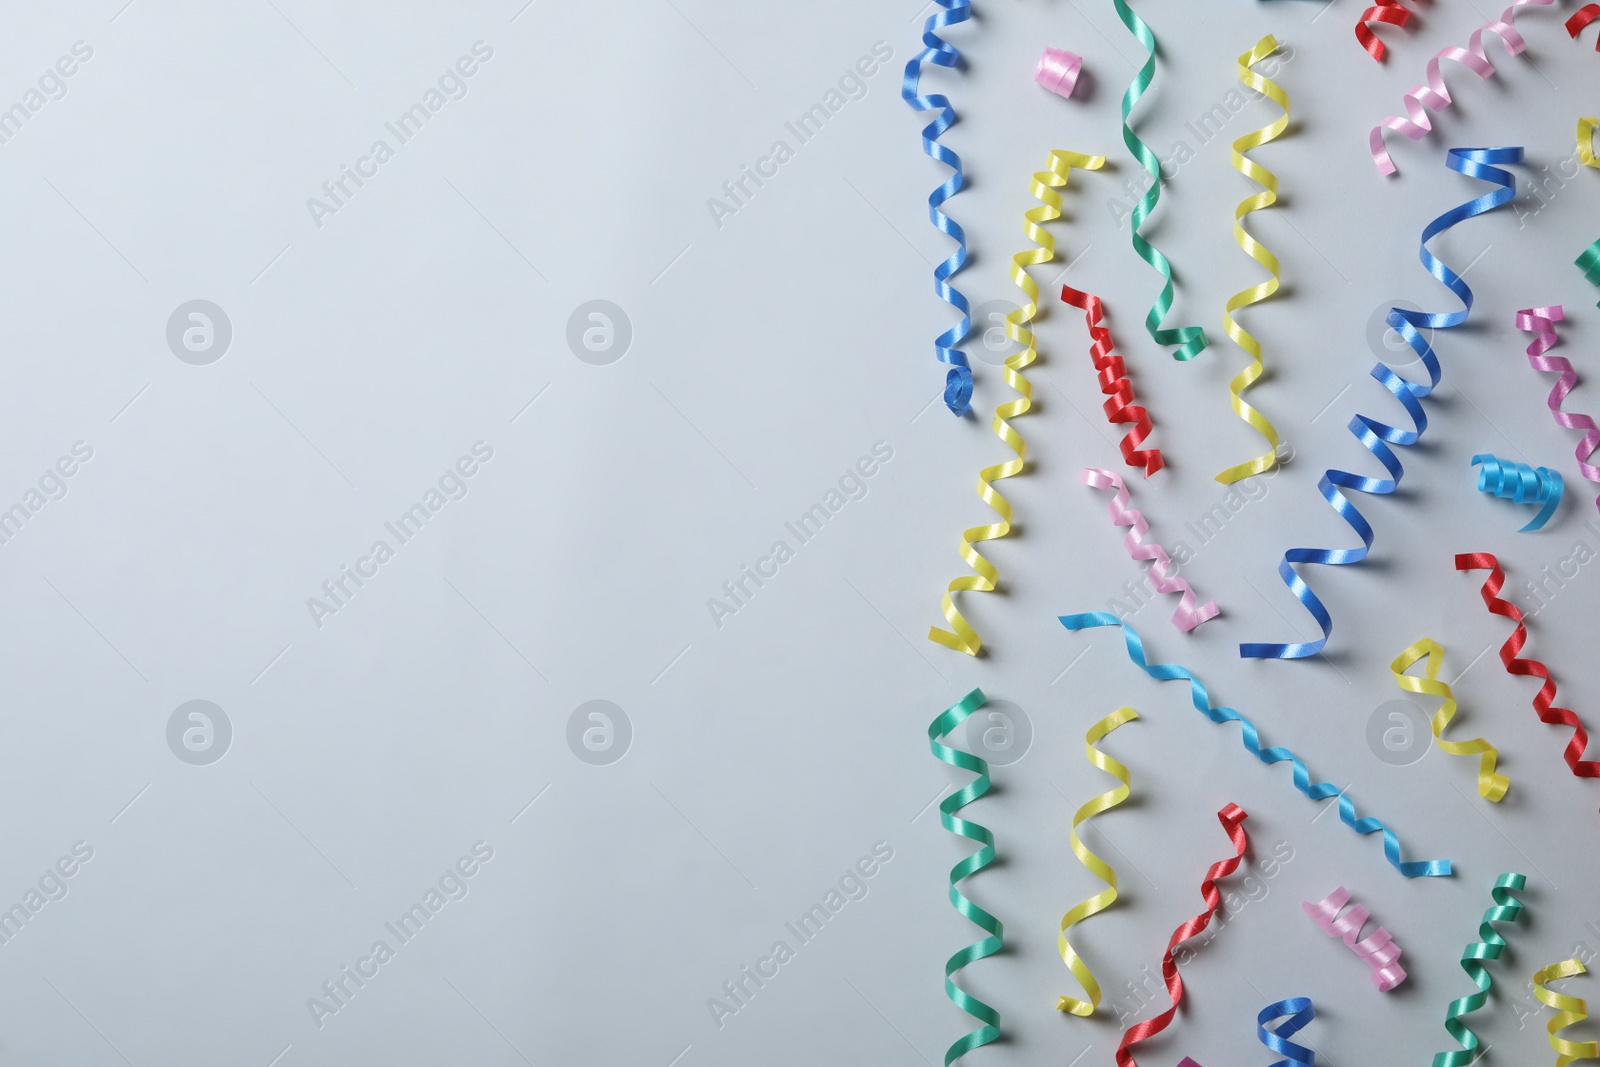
{"x": 1058, "y": 71}
{"x": 1378, "y": 951}
{"x": 1162, "y": 573}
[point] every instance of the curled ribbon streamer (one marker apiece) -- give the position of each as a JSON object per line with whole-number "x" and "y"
{"x": 1588, "y": 261}
{"x": 1544, "y": 700}
{"x": 1491, "y": 786}
{"x": 1258, "y": 252}
{"x": 1114, "y": 383}
{"x": 1542, "y": 321}
{"x": 1296, "y": 1012}
{"x": 1377, "y": 437}
{"x": 1569, "y": 1011}
{"x": 1097, "y": 866}
{"x": 1167, "y": 672}
{"x": 1377, "y": 950}
{"x": 1505, "y": 909}
{"x": 1435, "y": 95}
{"x": 1162, "y": 573}
{"x": 1191, "y": 339}
{"x": 1232, "y": 818}
{"x": 1581, "y": 18}
{"x": 961, "y": 636}
{"x": 947, "y": 346}
{"x": 1586, "y": 128}
{"x": 948, "y": 720}
{"x": 1521, "y": 484}
{"x": 1384, "y": 12}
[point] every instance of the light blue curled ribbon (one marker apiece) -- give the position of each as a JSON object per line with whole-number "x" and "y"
{"x": 1521, "y": 484}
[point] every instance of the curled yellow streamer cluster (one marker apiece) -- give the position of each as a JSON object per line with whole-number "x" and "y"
{"x": 1569, "y": 1010}
{"x": 1258, "y": 252}
{"x": 1586, "y": 128}
{"x": 961, "y": 636}
{"x": 1103, "y": 899}
{"x": 1491, "y": 786}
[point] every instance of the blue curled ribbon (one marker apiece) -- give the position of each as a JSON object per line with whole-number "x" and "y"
{"x": 1375, "y": 436}
{"x": 1296, "y": 1011}
{"x": 1167, "y": 672}
{"x": 958, "y": 382}
{"x": 1521, "y": 484}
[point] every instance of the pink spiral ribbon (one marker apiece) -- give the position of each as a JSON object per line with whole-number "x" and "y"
{"x": 1542, "y": 321}
{"x": 1378, "y": 951}
{"x": 1058, "y": 71}
{"x": 1435, "y": 95}
{"x": 1186, "y": 617}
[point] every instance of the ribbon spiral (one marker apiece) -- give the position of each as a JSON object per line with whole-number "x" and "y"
{"x": 1162, "y": 573}
{"x": 1097, "y": 866}
{"x": 1581, "y": 18}
{"x": 1542, "y": 321}
{"x": 1569, "y": 1011}
{"x": 1232, "y": 818}
{"x": 1377, "y": 950}
{"x": 1588, "y": 261}
{"x": 947, "y": 346}
{"x": 1114, "y": 383}
{"x": 1167, "y": 672}
{"x": 1505, "y": 909}
{"x": 1191, "y": 339}
{"x": 1297, "y": 1011}
{"x": 1521, "y": 484}
{"x": 942, "y": 725}
{"x": 1544, "y": 700}
{"x": 1586, "y": 128}
{"x": 1491, "y": 786}
{"x": 1377, "y": 437}
{"x": 1435, "y": 95}
{"x": 1258, "y": 252}
{"x": 1382, "y": 12}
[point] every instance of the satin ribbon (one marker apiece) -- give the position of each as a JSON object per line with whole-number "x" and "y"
{"x": 1167, "y": 672}
{"x": 1588, "y": 261}
{"x": 1191, "y": 339}
{"x": 1296, "y": 1012}
{"x": 961, "y": 636}
{"x": 935, "y": 50}
{"x": 1581, "y": 18}
{"x": 1258, "y": 252}
{"x": 1491, "y": 786}
{"x": 947, "y": 721}
{"x": 1506, "y": 909}
{"x": 1162, "y": 573}
{"x": 1114, "y": 383}
{"x": 1058, "y": 71}
{"x": 1544, "y": 700}
{"x": 1378, "y": 950}
{"x": 1097, "y": 866}
{"x": 1232, "y": 818}
{"x": 1521, "y": 484}
{"x": 1384, "y": 12}
{"x": 1542, "y": 321}
{"x": 1586, "y": 128}
{"x": 1377, "y": 437}
{"x": 1569, "y": 1011}
{"x": 1435, "y": 95}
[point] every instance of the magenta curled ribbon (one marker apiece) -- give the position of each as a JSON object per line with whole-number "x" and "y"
{"x": 1542, "y": 321}
{"x": 1162, "y": 573}
{"x": 1378, "y": 950}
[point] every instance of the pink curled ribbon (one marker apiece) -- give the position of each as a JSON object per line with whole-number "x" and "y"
{"x": 1377, "y": 950}
{"x": 1542, "y": 321}
{"x": 1435, "y": 95}
{"x": 1162, "y": 573}
{"x": 1058, "y": 71}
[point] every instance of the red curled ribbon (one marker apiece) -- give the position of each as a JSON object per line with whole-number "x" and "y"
{"x": 1232, "y": 818}
{"x": 1114, "y": 383}
{"x": 1581, "y": 18}
{"x": 1387, "y": 12}
{"x": 1544, "y": 699}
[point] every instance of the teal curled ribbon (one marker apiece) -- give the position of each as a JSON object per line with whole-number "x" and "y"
{"x": 1521, "y": 484}
{"x": 1378, "y": 437}
{"x": 1168, "y": 672}
{"x": 1505, "y": 909}
{"x": 1589, "y": 262}
{"x": 948, "y": 720}
{"x": 1192, "y": 339}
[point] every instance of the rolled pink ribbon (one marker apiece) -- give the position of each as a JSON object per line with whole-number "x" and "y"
{"x": 1378, "y": 951}
{"x": 1058, "y": 71}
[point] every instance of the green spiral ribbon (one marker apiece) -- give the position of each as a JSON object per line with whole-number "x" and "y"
{"x": 947, "y": 721}
{"x": 1506, "y": 909}
{"x": 1192, "y": 339}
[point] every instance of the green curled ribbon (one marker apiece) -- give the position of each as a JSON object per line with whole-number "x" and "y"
{"x": 1192, "y": 339}
{"x": 1505, "y": 909}
{"x": 947, "y": 721}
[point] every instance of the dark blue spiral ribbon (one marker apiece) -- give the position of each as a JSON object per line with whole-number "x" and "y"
{"x": 1375, "y": 436}
{"x": 1521, "y": 484}
{"x": 1296, "y": 1012}
{"x": 958, "y": 382}
{"x": 1167, "y": 672}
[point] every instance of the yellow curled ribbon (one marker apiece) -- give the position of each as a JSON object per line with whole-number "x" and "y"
{"x": 1569, "y": 1010}
{"x": 1491, "y": 786}
{"x": 1586, "y": 128}
{"x": 1258, "y": 252}
{"x": 961, "y": 636}
{"x": 1103, "y": 899}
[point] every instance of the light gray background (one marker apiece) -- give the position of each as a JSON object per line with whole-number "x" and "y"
{"x": 768, "y": 354}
